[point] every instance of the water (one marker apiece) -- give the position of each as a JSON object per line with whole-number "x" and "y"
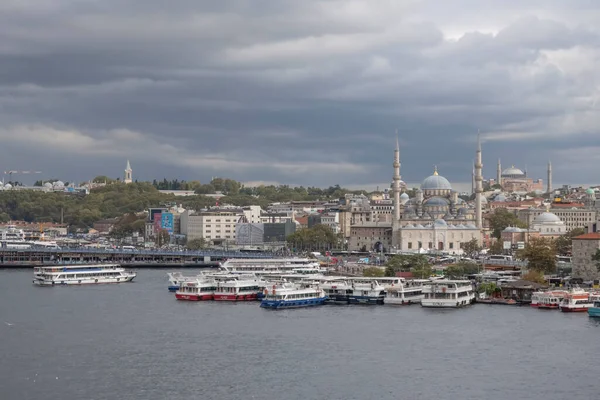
{"x": 135, "y": 341}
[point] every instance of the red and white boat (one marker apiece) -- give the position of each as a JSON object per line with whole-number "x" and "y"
{"x": 577, "y": 300}
{"x": 535, "y": 298}
{"x": 196, "y": 290}
{"x": 551, "y": 300}
{"x": 237, "y": 290}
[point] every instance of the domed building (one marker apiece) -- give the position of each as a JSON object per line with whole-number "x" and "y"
{"x": 514, "y": 179}
{"x": 549, "y": 225}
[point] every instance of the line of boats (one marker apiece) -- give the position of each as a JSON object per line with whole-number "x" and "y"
{"x": 572, "y": 300}
{"x": 300, "y": 283}
{"x": 293, "y": 283}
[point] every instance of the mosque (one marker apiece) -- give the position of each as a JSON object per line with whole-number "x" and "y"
{"x": 515, "y": 180}
{"x": 436, "y": 218}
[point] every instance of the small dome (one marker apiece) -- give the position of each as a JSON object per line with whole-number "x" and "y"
{"x": 484, "y": 200}
{"x": 59, "y": 184}
{"x": 8, "y": 186}
{"x": 440, "y": 223}
{"x": 590, "y": 191}
{"x": 547, "y": 218}
{"x": 48, "y": 185}
{"x": 470, "y": 226}
{"x": 500, "y": 197}
{"x": 419, "y": 226}
{"x": 404, "y": 196}
{"x": 463, "y": 210}
{"x": 436, "y": 201}
{"x": 436, "y": 181}
{"x": 512, "y": 171}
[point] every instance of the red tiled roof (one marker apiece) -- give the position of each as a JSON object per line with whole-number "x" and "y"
{"x": 588, "y": 236}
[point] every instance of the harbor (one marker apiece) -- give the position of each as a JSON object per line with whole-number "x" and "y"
{"x": 345, "y": 352}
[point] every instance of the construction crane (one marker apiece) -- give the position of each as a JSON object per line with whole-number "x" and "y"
{"x": 10, "y": 173}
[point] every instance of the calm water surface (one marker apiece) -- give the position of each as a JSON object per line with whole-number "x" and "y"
{"x": 135, "y": 341}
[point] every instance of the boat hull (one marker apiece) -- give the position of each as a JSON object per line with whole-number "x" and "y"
{"x": 548, "y": 306}
{"x": 594, "y": 312}
{"x": 573, "y": 309}
{"x": 298, "y": 303}
{"x": 235, "y": 297}
{"x": 445, "y": 304}
{"x": 369, "y": 300}
{"x": 401, "y": 302}
{"x": 193, "y": 297}
{"x": 338, "y": 299}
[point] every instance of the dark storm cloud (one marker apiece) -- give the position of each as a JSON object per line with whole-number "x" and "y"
{"x": 304, "y": 92}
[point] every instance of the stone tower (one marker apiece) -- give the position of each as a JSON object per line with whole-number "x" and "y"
{"x": 549, "y": 189}
{"x": 396, "y": 190}
{"x": 478, "y": 184}
{"x": 128, "y": 173}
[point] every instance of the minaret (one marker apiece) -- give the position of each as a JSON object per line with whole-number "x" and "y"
{"x": 473, "y": 179}
{"x": 478, "y": 184}
{"x": 128, "y": 173}
{"x": 549, "y": 189}
{"x": 396, "y": 190}
{"x": 499, "y": 174}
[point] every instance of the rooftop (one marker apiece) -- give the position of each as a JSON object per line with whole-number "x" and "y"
{"x": 588, "y": 236}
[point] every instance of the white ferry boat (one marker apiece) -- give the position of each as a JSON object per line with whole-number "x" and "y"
{"x": 269, "y": 265}
{"x": 404, "y": 292}
{"x": 81, "y": 274}
{"x": 177, "y": 278}
{"x": 292, "y": 297}
{"x": 551, "y": 300}
{"x": 197, "y": 290}
{"x": 448, "y": 294}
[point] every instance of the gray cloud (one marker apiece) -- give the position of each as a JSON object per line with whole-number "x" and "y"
{"x": 304, "y": 92}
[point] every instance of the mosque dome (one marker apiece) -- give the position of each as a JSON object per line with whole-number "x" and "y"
{"x": 48, "y": 185}
{"x": 463, "y": 210}
{"x": 440, "y": 223}
{"x": 436, "y": 201}
{"x": 403, "y": 196}
{"x": 547, "y": 218}
{"x": 500, "y": 197}
{"x": 59, "y": 184}
{"x": 8, "y": 186}
{"x": 436, "y": 181}
{"x": 512, "y": 172}
{"x": 590, "y": 191}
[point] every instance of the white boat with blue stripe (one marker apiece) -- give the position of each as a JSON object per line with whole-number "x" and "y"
{"x": 293, "y": 297}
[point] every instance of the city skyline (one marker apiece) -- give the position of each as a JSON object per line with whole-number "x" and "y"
{"x": 269, "y": 93}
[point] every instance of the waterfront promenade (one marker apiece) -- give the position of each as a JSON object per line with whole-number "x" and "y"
{"x": 140, "y": 258}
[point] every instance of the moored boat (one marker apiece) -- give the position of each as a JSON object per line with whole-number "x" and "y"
{"x": 81, "y": 274}
{"x": 237, "y": 290}
{"x": 338, "y": 292}
{"x": 535, "y": 299}
{"x": 448, "y": 294}
{"x": 367, "y": 293}
{"x": 292, "y": 297}
{"x": 197, "y": 290}
{"x": 576, "y": 300}
{"x": 551, "y": 300}
{"x": 594, "y": 310}
{"x": 176, "y": 279}
{"x": 405, "y": 292}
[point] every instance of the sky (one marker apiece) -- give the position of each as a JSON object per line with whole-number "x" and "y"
{"x": 299, "y": 92}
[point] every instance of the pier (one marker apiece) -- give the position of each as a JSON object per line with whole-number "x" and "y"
{"x": 18, "y": 258}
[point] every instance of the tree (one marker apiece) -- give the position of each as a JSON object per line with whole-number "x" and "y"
{"x": 196, "y": 244}
{"x": 454, "y": 272}
{"x": 162, "y": 237}
{"x": 405, "y": 263}
{"x": 540, "y": 255}
{"x": 564, "y": 243}
{"x": 373, "y": 272}
{"x": 471, "y": 248}
{"x": 535, "y": 276}
{"x": 496, "y": 186}
{"x": 319, "y": 237}
{"x": 489, "y": 288}
{"x": 502, "y": 219}
{"x": 496, "y": 247}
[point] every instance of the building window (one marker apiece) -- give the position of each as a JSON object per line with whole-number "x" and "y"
{"x": 420, "y": 244}
{"x": 410, "y": 245}
{"x": 431, "y": 245}
{"x": 451, "y": 245}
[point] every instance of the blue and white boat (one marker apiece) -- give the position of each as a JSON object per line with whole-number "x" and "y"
{"x": 293, "y": 297}
{"x": 177, "y": 278}
{"x": 594, "y": 311}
